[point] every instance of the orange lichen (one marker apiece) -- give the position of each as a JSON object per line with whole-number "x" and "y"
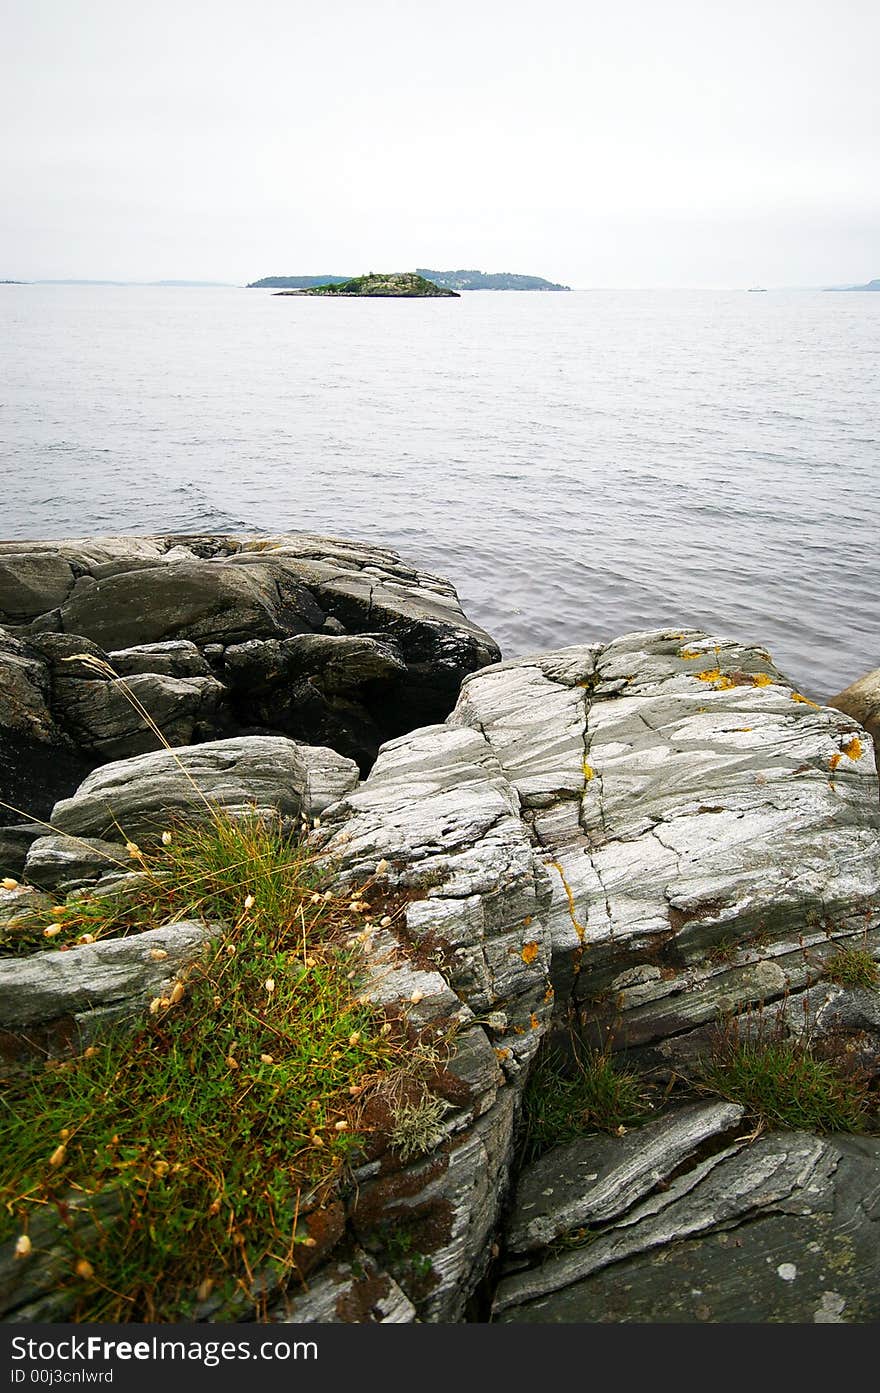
{"x": 719, "y": 680}
{"x": 533, "y": 1021}
{"x": 529, "y": 952}
{"x": 689, "y": 653}
{"x": 502, "y": 1054}
{"x": 835, "y": 759}
{"x": 762, "y": 679}
{"x": 853, "y": 748}
{"x": 572, "y": 908}
{"x": 796, "y": 696}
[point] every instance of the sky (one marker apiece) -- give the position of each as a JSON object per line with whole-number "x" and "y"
{"x": 634, "y": 143}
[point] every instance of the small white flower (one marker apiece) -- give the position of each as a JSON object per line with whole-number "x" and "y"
{"x": 269, "y": 984}
{"x": 382, "y": 867}
{"x": 166, "y": 838}
{"x": 23, "y": 1246}
{"x": 249, "y": 902}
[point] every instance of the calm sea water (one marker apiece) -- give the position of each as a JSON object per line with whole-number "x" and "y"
{"x": 579, "y": 465}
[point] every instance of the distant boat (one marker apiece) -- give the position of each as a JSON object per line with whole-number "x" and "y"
{"x": 757, "y": 290}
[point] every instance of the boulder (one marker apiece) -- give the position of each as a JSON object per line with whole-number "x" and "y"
{"x": 706, "y": 827}
{"x": 264, "y": 774}
{"x": 861, "y": 700}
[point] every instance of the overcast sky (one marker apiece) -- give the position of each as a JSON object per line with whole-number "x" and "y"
{"x": 639, "y": 142}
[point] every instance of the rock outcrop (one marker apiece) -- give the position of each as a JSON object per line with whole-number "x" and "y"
{"x": 635, "y": 840}
{"x": 325, "y": 641}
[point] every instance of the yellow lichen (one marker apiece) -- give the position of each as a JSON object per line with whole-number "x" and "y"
{"x": 796, "y": 696}
{"x": 689, "y": 653}
{"x": 853, "y": 748}
{"x": 529, "y": 952}
{"x": 572, "y": 908}
{"x": 719, "y": 680}
{"x": 835, "y": 759}
{"x": 762, "y": 679}
{"x": 589, "y": 772}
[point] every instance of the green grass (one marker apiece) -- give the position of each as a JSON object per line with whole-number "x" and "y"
{"x": 852, "y": 967}
{"x": 591, "y": 1092}
{"x": 782, "y": 1082}
{"x": 231, "y": 1110}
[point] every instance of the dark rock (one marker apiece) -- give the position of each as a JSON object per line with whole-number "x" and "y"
{"x": 14, "y": 843}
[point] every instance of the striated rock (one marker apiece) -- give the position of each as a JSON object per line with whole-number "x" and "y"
{"x": 700, "y": 818}
{"x": 262, "y": 774}
{"x": 594, "y": 1179}
{"x": 783, "y": 1230}
{"x": 438, "y": 808}
{"x": 54, "y": 1002}
{"x": 67, "y": 863}
{"x": 350, "y": 1292}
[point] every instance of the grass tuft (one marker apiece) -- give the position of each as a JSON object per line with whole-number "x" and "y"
{"x": 179, "y": 1159}
{"x": 853, "y": 967}
{"x": 568, "y": 1098}
{"x": 782, "y": 1083}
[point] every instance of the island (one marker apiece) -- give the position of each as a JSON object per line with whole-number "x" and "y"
{"x": 449, "y": 280}
{"x": 489, "y": 280}
{"x": 397, "y": 284}
{"x": 872, "y": 285}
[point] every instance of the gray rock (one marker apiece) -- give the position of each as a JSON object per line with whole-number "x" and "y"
{"x": 383, "y": 646}
{"x": 24, "y": 691}
{"x": 177, "y": 658}
{"x": 437, "y": 807}
{"x": 353, "y": 1292}
{"x": 263, "y": 774}
{"x": 65, "y": 863}
{"x": 106, "y": 717}
{"x": 121, "y": 973}
{"x": 204, "y": 602}
{"x": 14, "y": 843}
{"x": 594, "y": 1179}
{"x": 785, "y": 1230}
{"x": 688, "y": 801}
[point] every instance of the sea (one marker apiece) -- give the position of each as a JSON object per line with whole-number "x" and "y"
{"x": 580, "y": 465}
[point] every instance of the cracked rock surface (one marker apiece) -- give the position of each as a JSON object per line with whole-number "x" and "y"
{"x": 705, "y": 826}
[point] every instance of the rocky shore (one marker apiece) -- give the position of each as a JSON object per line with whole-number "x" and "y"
{"x": 619, "y": 847}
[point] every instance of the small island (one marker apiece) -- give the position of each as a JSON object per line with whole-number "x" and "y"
{"x": 397, "y": 284}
